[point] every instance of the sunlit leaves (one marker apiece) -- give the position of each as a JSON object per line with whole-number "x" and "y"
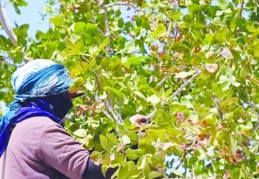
{"x": 80, "y": 27}
{"x": 149, "y": 54}
{"x": 57, "y": 21}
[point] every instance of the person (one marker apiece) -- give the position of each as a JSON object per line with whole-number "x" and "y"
{"x": 33, "y": 141}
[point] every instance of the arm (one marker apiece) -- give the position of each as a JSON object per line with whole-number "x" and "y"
{"x": 60, "y": 151}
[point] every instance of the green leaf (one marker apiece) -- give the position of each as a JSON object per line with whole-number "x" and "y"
{"x": 154, "y": 174}
{"x": 134, "y": 61}
{"x": 114, "y": 91}
{"x": 91, "y": 28}
{"x": 178, "y": 173}
{"x": 80, "y": 133}
{"x": 139, "y": 94}
{"x": 134, "y": 154}
{"x": 57, "y": 21}
{"x": 79, "y": 27}
{"x": 160, "y": 30}
{"x": 95, "y": 50}
{"x": 220, "y": 35}
{"x": 112, "y": 139}
{"x": 184, "y": 74}
{"x": 125, "y": 139}
{"x": 104, "y": 142}
{"x": 123, "y": 171}
{"x": 153, "y": 99}
{"x": 118, "y": 159}
{"x": 133, "y": 137}
{"x": 130, "y": 46}
{"x": 142, "y": 162}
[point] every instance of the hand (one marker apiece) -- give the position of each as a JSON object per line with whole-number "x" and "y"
{"x": 138, "y": 119}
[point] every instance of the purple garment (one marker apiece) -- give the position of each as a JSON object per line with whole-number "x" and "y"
{"x": 41, "y": 148}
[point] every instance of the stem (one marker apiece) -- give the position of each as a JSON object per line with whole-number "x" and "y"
{"x": 113, "y": 112}
{"x": 176, "y": 33}
{"x": 253, "y": 107}
{"x": 97, "y": 80}
{"x": 169, "y": 29}
{"x": 117, "y": 4}
{"x": 163, "y": 80}
{"x": 151, "y": 115}
{"x": 186, "y": 83}
{"x": 106, "y": 23}
{"x": 107, "y": 114}
{"x": 241, "y": 8}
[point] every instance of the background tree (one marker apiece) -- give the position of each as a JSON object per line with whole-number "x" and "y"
{"x": 191, "y": 67}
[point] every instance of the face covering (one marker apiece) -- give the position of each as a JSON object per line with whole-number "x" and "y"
{"x": 59, "y": 105}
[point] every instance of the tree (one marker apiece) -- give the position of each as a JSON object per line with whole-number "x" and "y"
{"x": 189, "y": 66}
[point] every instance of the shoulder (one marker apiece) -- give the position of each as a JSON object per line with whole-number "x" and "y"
{"x": 37, "y": 123}
{"x": 32, "y": 128}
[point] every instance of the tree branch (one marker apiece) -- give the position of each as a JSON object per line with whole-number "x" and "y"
{"x": 169, "y": 29}
{"x": 186, "y": 83}
{"x": 8, "y": 30}
{"x": 241, "y": 8}
{"x": 113, "y": 112}
{"x": 107, "y": 28}
{"x": 163, "y": 80}
{"x": 176, "y": 33}
{"x": 107, "y": 114}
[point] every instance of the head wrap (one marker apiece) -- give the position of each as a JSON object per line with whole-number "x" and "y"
{"x": 39, "y": 87}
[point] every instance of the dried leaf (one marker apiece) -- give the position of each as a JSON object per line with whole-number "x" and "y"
{"x": 226, "y": 175}
{"x": 211, "y": 67}
{"x": 226, "y": 53}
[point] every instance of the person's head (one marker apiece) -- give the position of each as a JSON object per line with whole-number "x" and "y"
{"x": 43, "y": 79}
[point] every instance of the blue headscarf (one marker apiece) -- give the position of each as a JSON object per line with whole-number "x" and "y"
{"x": 39, "y": 88}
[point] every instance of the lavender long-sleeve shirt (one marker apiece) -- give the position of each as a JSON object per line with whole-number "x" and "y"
{"x": 39, "y": 148}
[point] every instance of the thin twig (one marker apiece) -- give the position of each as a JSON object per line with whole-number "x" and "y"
{"x": 186, "y": 83}
{"x": 152, "y": 114}
{"x": 117, "y": 4}
{"x": 107, "y": 28}
{"x": 107, "y": 114}
{"x": 94, "y": 22}
{"x": 118, "y": 116}
{"x": 113, "y": 112}
{"x": 163, "y": 80}
{"x": 97, "y": 80}
{"x": 9, "y": 31}
{"x": 169, "y": 29}
{"x": 181, "y": 161}
{"x": 241, "y": 8}
{"x": 253, "y": 107}
{"x": 176, "y": 33}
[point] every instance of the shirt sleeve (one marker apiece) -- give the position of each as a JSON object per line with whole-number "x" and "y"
{"x": 60, "y": 151}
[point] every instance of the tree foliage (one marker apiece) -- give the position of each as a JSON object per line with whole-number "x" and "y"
{"x": 189, "y": 66}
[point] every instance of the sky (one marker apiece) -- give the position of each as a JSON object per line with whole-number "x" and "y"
{"x": 31, "y": 14}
